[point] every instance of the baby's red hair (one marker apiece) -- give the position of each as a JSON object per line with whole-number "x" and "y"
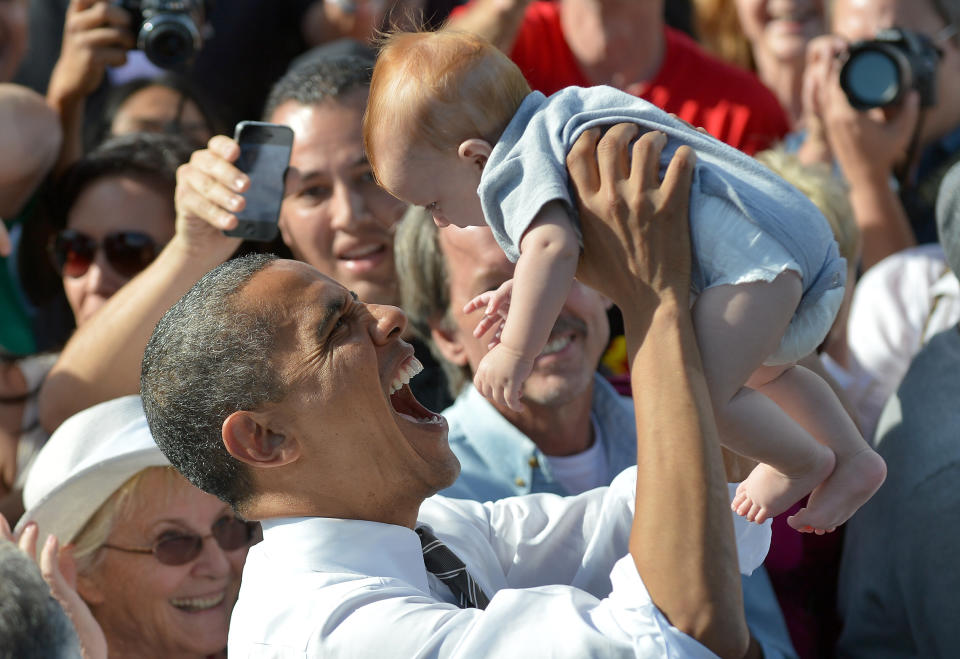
{"x": 440, "y": 88}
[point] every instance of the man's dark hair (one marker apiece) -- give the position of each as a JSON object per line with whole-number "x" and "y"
{"x": 100, "y": 124}
{"x": 317, "y": 79}
{"x": 210, "y": 356}
{"x": 32, "y": 624}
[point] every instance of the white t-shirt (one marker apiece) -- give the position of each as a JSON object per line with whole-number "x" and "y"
{"x": 583, "y": 471}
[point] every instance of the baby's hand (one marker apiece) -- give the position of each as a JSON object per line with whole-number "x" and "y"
{"x": 495, "y": 305}
{"x": 500, "y": 375}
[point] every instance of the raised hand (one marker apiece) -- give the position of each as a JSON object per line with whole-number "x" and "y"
{"x": 96, "y": 34}
{"x": 59, "y": 571}
{"x": 495, "y": 305}
{"x": 500, "y": 376}
{"x": 209, "y": 193}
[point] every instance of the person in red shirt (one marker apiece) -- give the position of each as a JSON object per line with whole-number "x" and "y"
{"x": 626, "y": 44}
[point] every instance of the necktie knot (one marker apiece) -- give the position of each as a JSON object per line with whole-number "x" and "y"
{"x": 446, "y": 566}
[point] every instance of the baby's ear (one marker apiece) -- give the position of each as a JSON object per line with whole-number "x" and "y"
{"x": 475, "y": 150}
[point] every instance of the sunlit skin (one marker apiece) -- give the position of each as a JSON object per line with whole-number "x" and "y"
{"x": 334, "y": 216}
{"x": 443, "y": 182}
{"x": 139, "y": 602}
{"x": 356, "y": 456}
{"x": 152, "y": 108}
{"x": 561, "y": 380}
{"x": 105, "y": 206}
{"x": 781, "y": 28}
{"x": 475, "y": 264}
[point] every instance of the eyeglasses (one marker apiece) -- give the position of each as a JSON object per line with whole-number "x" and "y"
{"x": 128, "y": 252}
{"x": 231, "y": 533}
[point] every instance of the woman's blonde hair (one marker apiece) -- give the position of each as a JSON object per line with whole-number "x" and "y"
{"x": 719, "y": 32}
{"x": 123, "y": 504}
{"x": 441, "y": 88}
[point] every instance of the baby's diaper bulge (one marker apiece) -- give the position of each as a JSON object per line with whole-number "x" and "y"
{"x": 729, "y": 248}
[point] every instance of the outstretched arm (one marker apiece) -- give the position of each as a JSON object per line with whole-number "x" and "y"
{"x": 27, "y": 152}
{"x": 96, "y": 34}
{"x": 498, "y": 21}
{"x": 102, "y": 359}
{"x": 637, "y": 252}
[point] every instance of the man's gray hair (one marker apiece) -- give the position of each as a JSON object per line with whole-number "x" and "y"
{"x": 208, "y": 357}
{"x": 424, "y": 287}
{"x": 32, "y": 623}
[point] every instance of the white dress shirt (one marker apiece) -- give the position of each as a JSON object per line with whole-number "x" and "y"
{"x": 898, "y": 306}
{"x": 556, "y": 569}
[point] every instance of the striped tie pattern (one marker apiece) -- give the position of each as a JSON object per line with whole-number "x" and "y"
{"x": 444, "y": 564}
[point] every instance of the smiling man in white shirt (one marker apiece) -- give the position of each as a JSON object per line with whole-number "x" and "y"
{"x": 273, "y": 387}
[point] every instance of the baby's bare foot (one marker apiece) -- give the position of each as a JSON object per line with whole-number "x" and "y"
{"x": 833, "y": 502}
{"x": 767, "y": 492}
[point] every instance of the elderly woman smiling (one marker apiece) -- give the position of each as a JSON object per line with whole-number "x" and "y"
{"x": 158, "y": 561}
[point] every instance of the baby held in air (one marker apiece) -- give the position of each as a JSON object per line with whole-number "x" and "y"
{"x": 452, "y": 125}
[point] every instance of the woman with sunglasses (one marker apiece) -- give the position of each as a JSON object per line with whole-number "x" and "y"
{"x": 158, "y": 561}
{"x": 114, "y": 212}
{"x": 111, "y": 212}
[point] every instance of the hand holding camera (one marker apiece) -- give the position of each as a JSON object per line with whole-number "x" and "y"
{"x": 169, "y": 32}
{"x": 96, "y": 34}
{"x": 879, "y": 72}
{"x": 869, "y": 135}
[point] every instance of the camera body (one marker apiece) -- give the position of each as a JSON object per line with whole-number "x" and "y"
{"x": 168, "y": 31}
{"x": 879, "y": 71}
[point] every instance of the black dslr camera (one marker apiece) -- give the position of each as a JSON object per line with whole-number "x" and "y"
{"x": 878, "y": 72}
{"x": 168, "y": 31}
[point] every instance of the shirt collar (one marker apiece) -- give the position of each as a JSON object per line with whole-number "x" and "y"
{"x": 346, "y": 545}
{"x": 504, "y": 444}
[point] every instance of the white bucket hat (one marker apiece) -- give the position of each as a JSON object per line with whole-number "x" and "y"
{"x": 85, "y": 461}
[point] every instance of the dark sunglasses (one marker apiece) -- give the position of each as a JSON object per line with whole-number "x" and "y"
{"x": 231, "y": 533}
{"x": 128, "y": 252}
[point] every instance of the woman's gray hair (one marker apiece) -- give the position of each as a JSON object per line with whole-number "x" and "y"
{"x": 32, "y": 623}
{"x": 424, "y": 289}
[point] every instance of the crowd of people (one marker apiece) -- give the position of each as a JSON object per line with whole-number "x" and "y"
{"x": 669, "y": 376}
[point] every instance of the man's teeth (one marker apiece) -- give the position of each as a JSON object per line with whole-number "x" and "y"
{"x": 360, "y": 252}
{"x": 198, "y": 603}
{"x": 433, "y": 418}
{"x": 407, "y": 370}
{"x": 556, "y": 345}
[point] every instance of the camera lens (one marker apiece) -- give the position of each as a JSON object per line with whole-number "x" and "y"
{"x": 169, "y": 45}
{"x": 169, "y": 40}
{"x": 872, "y": 78}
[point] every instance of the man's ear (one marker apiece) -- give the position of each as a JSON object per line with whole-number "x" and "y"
{"x": 249, "y": 438}
{"x": 448, "y": 343}
{"x": 476, "y": 151}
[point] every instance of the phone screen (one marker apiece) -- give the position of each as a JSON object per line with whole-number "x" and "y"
{"x": 264, "y": 157}
{"x": 265, "y": 165}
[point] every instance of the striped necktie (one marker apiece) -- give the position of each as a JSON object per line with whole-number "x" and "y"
{"x": 444, "y": 564}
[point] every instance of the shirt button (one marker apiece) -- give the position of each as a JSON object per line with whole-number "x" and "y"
{"x": 520, "y": 482}
{"x": 533, "y": 462}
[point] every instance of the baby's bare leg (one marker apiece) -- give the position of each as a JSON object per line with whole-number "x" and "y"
{"x": 859, "y": 470}
{"x": 737, "y": 328}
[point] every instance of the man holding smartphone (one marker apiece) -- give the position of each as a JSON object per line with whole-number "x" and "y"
{"x": 334, "y": 216}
